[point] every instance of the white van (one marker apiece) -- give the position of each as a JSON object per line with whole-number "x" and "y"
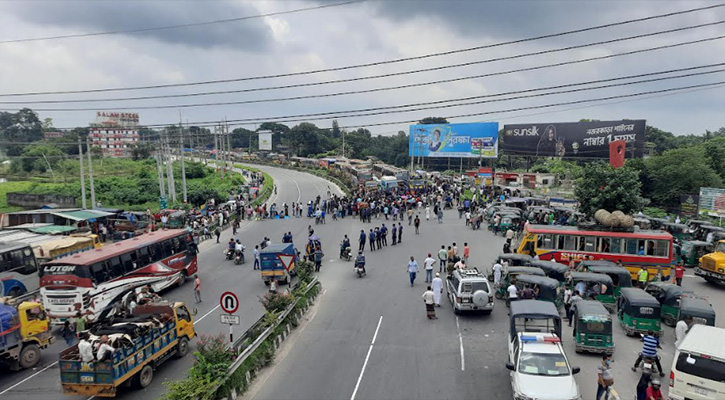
{"x": 698, "y": 370}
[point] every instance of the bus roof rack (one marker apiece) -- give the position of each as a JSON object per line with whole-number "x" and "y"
{"x": 592, "y": 226}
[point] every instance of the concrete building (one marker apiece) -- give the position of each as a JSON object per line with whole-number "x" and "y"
{"x": 116, "y": 133}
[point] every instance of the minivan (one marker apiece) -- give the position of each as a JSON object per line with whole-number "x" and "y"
{"x": 698, "y": 370}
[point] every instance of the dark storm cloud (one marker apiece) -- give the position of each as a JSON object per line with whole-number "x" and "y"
{"x": 101, "y": 16}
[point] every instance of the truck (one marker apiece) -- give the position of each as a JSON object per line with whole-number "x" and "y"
{"x": 712, "y": 266}
{"x": 23, "y": 333}
{"x": 135, "y": 360}
{"x": 272, "y": 261}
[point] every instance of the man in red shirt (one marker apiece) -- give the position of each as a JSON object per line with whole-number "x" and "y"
{"x": 654, "y": 392}
{"x": 679, "y": 273}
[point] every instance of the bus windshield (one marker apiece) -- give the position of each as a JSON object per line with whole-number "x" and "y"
{"x": 720, "y": 248}
{"x": 18, "y": 270}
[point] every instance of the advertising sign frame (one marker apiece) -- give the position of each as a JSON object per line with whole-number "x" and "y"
{"x": 465, "y": 140}
{"x": 265, "y": 141}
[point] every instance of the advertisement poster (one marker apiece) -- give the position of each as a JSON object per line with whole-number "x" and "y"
{"x": 689, "y": 204}
{"x": 472, "y": 140}
{"x": 573, "y": 139}
{"x": 712, "y": 201}
{"x": 265, "y": 141}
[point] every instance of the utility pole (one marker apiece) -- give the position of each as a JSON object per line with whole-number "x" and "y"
{"x": 343, "y": 143}
{"x": 83, "y": 179}
{"x": 216, "y": 147}
{"x": 159, "y": 171}
{"x": 169, "y": 170}
{"x": 229, "y": 146}
{"x": 90, "y": 172}
{"x": 181, "y": 154}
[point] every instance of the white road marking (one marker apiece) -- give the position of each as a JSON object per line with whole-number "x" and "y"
{"x": 28, "y": 378}
{"x": 205, "y": 315}
{"x": 367, "y": 357}
{"x": 460, "y": 342}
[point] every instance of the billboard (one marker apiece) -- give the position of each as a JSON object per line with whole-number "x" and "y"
{"x": 265, "y": 141}
{"x": 116, "y": 119}
{"x": 472, "y": 140}
{"x": 573, "y": 139}
{"x": 689, "y": 206}
{"x": 712, "y": 201}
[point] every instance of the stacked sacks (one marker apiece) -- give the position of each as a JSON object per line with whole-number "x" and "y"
{"x": 614, "y": 219}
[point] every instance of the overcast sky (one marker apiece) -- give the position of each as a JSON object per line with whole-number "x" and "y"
{"x": 353, "y": 34}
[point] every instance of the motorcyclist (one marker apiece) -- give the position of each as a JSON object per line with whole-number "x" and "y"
{"x": 360, "y": 261}
{"x": 345, "y": 245}
{"x": 653, "y": 392}
{"x": 230, "y": 248}
{"x": 644, "y": 381}
{"x": 239, "y": 249}
{"x": 649, "y": 350}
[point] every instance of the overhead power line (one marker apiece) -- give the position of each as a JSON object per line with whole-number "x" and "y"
{"x": 371, "y": 64}
{"x": 189, "y": 25}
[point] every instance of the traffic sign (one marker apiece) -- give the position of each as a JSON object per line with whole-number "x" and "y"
{"x": 229, "y": 319}
{"x": 287, "y": 260}
{"x": 229, "y": 302}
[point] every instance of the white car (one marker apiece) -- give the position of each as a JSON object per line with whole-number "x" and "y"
{"x": 469, "y": 290}
{"x": 540, "y": 369}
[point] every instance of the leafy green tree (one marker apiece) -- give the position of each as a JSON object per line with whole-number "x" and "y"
{"x": 18, "y": 128}
{"x": 141, "y": 151}
{"x": 678, "y": 172}
{"x": 715, "y": 153}
{"x": 602, "y": 186}
{"x": 38, "y": 157}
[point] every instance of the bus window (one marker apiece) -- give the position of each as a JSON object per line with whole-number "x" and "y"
{"x": 590, "y": 243}
{"x": 144, "y": 257}
{"x": 632, "y": 246}
{"x": 182, "y": 243}
{"x": 127, "y": 262}
{"x": 616, "y": 246}
{"x": 661, "y": 248}
{"x": 539, "y": 241}
{"x": 569, "y": 242}
{"x": 581, "y": 243}
{"x": 166, "y": 247}
{"x": 547, "y": 242}
{"x": 157, "y": 253}
{"x": 115, "y": 267}
{"x": 649, "y": 247}
{"x": 604, "y": 245}
{"x": 98, "y": 273}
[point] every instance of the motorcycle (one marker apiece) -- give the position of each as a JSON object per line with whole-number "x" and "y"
{"x": 346, "y": 254}
{"x": 360, "y": 270}
{"x": 239, "y": 257}
{"x": 644, "y": 381}
{"x": 229, "y": 254}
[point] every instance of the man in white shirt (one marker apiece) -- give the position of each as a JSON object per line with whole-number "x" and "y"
{"x": 513, "y": 292}
{"x": 84, "y": 348}
{"x": 428, "y": 297}
{"x": 105, "y": 350}
{"x": 681, "y": 330}
{"x": 437, "y": 289}
{"x": 497, "y": 271}
{"x": 461, "y": 264}
{"x": 509, "y": 235}
{"x": 428, "y": 263}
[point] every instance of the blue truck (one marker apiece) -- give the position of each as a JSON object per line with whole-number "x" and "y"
{"x": 272, "y": 262}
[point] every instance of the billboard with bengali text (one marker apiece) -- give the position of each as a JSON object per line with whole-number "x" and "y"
{"x": 712, "y": 201}
{"x": 573, "y": 139}
{"x": 265, "y": 141}
{"x": 469, "y": 140}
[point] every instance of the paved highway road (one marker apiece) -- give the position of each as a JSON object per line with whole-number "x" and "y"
{"x": 368, "y": 338}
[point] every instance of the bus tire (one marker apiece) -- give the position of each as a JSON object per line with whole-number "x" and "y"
{"x": 182, "y": 278}
{"x": 14, "y": 292}
{"x": 182, "y": 349}
{"x": 29, "y": 356}
{"x": 145, "y": 377}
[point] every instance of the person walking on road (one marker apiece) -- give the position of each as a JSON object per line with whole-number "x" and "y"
{"x": 416, "y": 222}
{"x": 681, "y": 330}
{"x": 497, "y": 271}
{"x": 605, "y": 378}
{"x": 412, "y": 270}
{"x": 384, "y": 235}
{"x": 394, "y": 231}
{"x": 197, "y": 288}
{"x": 255, "y": 253}
{"x": 68, "y": 332}
{"x": 361, "y": 241}
{"x": 378, "y": 238}
{"x": 642, "y": 277}
{"x": 218, "y": 233}
{"x": 440, "y": 215}
{"x": 428, "y": 299}
{"x": 372, "y": 239}
{"x": 410, "y": 215}
{"x": 428, "y": 264}
{"x": 567, "y": 301}
{"x": 679, "y": 273}
{"x": 427, "y": 213}
{"x": 437, "y": 289}
{"x": 400, "y": 232}
{"x": 442, "y": 256}
{"x": 318, "y": 259}
{"x": 466, "y": 251}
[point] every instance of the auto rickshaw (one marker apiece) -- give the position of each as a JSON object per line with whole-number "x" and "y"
{"x": 680, "y": 232}
{"x": 704, "y": 230}
{"x": 515, "y": 202}
{"x": 656, "y": 223}
{"x": 584, "y": 265}
{"x": 668, "y": 295}
{"x": 642, "y": 222}
{"x": 594, "y": 285}
{"x": 512, "y": 260}
{"x": 694, "y": 224}
{"x": 509, "y": 221}
{"x": 620, "y": 275}
{"x": 691, "y": 251}
{"x": 699, "y": 309}
{"x": 552, "y": 269}
{"x": 592, "y": 328}
{"x": 510, "y": 275}
{"x": 546, "y": 289}
{"x": 638, "y": 311}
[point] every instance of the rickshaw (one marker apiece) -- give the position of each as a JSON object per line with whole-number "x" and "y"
{"x": 593, "y": 285}
{"x": 546, "y": 289}
{"x": 552, "y": 269}
{"x": 656, "y": 223}
{"x": 704, "y": 230}
{"x": 533, "y": 316}
{"x": 513, "y": 259}
{"x": 694, "y": 224}
{"x": 491, "y": 211}
{"x": 669, "y": 296}
{"x": 537, "y": 201}
{"x": 642, "y": 222}
{"x": 533, "y": 211}
{"x": 620, "y": 275}
{"x": 515, "y": 202}
{"x": 638, "y": 312}
{"x": 592, "y": 328}
{"x": 691, "y": 251}
{"x": 509, "y": 221}
{"x": 510, "y": 275}
{"x": 584, "y": 265}
{"x": 680, "y": 232}
{"x": 699, "y": 309}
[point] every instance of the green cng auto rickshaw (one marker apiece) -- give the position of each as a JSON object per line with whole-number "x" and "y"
{"x": 699, "y": 309}
{"x": 620, "y": 275}
{"x": 510, "y": 276}
{"x": 509, "y": 221}
{"x": 584, "y": 265}
{"x": 546, "y": 289}
{"x": 638, "y": 311}
{"x": 513, "y": 259}
{"x": 691, "y": 251}
{"x": 552, "y": 269}
{"x": 680, "y": 232}
{"x": 668, "y": 295}
{"x": 589, "y": 284}
{"x": 592, "y": 328}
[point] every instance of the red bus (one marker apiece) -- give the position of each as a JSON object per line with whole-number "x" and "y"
{"x": 651, "y": 249}
{"x": 93, "y": 282}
